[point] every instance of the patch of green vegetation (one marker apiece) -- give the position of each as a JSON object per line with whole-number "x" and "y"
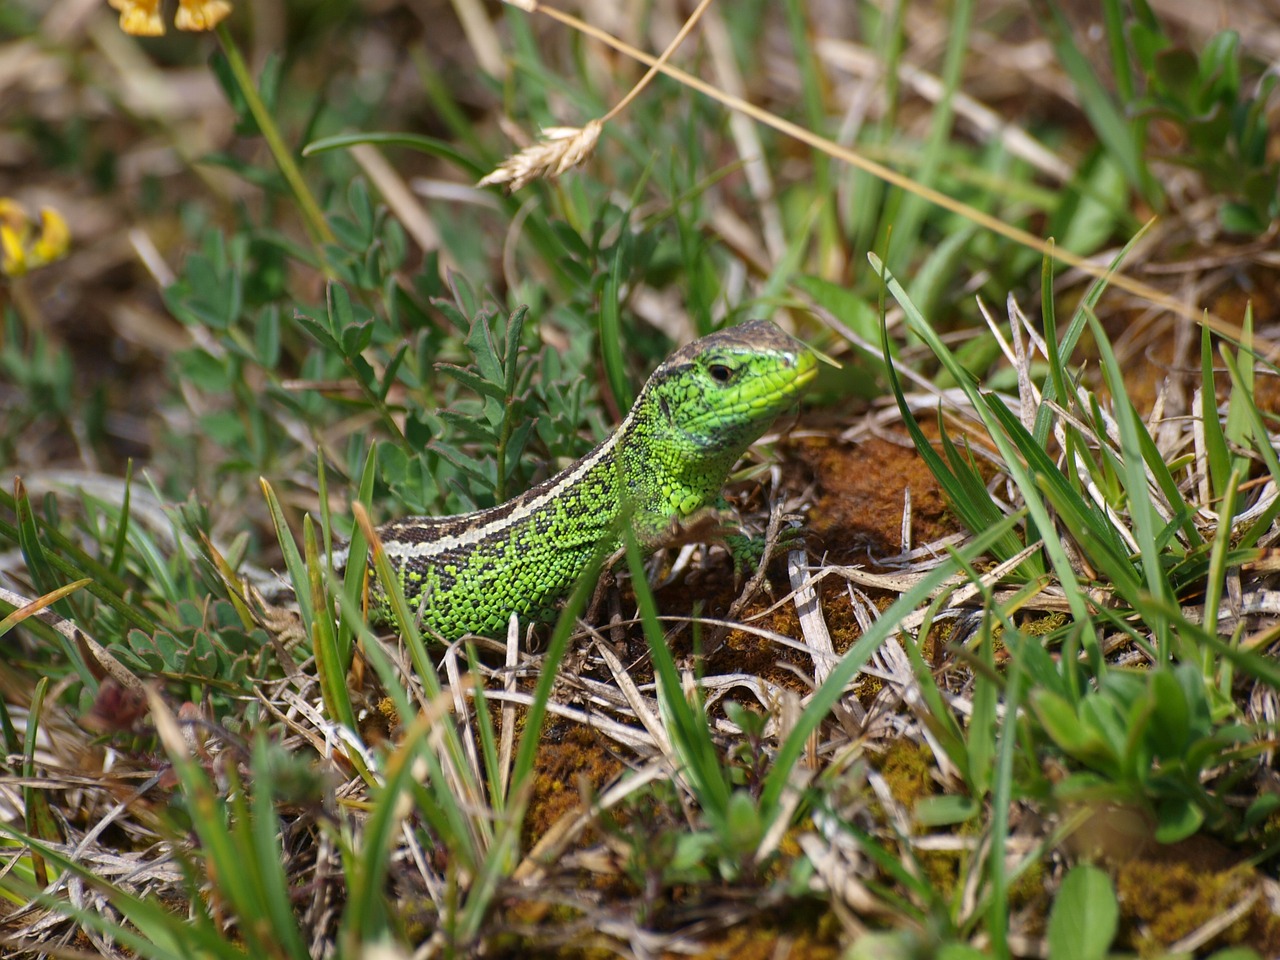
{"x": 305, "y": 328}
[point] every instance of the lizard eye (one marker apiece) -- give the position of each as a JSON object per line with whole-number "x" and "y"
{"x": 720, "y": 373}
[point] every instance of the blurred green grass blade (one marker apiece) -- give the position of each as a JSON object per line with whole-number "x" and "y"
{"x": 1142, "y": 512}
{"x": 611, "y": 336}
{"x": 331, "y": 668}
{"x": 1093, "y": 207}
{"x": 687, "y": 724}
{"x": 122, "y": 523}
{"x": 422, "y": 144}
{"x": 353, "y": 576}
{"x": 1117, "y": 134}
{"x": 1242, "y": 400}
{"x": 812, "y": 85}
{"x": 1215, "y": 441}
{"x": 365, "y": 918}
{"x": 298, "y": 574}
{"x": 934, "y": 279}
{"x": 1123, "y": 69}
{"x": 262, "y": 830}
{"x": 913, "y": 209}
{"x": 793, "y": 258}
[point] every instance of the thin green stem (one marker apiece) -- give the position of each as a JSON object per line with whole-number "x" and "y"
{"x": 313, "y": 218}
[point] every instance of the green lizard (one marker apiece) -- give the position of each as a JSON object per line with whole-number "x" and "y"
{"x": 664, "y": 466}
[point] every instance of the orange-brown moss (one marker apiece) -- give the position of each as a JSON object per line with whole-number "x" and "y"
{"x": 813, "y": 937}
{"x": 1165, "y": 901}
{"x": 907, "y": 768}
{"x": 569, "y": 755}
{"x": 860, "y": 498}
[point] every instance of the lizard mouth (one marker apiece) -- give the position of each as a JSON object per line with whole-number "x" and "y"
{"x": 792, "y": 380}
{"x": 806, "y": 370}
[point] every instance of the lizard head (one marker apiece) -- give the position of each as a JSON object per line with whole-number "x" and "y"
{"x": 712, "y": 398}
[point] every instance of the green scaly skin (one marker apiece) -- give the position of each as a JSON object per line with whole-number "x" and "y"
{"x": 665, "y": 465}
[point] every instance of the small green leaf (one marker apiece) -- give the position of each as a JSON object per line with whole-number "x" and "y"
{"x": 945, "y": 810}
{"x": 472, "y": 381}
{"x": 318, "y": 331}
{"x": 438, "y": 148}
{"x": 1063, "y": 725}
{"x": 743, "y": 825}
{"x": 1262, "y": 807}
{"x": 481, "y": 344}
{"x": 1241, "y": 219}
{"x": 1083, "y": 921}
{"x": 1176, "y": 819}
{"x": 1170, "y": 728}
{"x": 206, "y": 372}
{"x": 355, "y": 339}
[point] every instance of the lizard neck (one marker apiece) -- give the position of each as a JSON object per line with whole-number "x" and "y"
{"x": 664, "y": 472}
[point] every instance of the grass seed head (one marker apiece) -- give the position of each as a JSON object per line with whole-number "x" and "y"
{"x": 559, "y": 150}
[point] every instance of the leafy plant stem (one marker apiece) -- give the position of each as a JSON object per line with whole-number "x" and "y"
{"x": 313, "y": 219}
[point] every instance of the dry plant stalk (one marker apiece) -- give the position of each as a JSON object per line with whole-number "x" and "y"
{"x": 1117, "y": 279}
{"x": 560, "y": 149}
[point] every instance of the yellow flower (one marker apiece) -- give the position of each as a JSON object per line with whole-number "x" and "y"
{"x": 201, "y": 14}
{"x": 141, "y": 18}
{"x": 55, "y": 237}
{"x": 20, "y": 250}
{"x": 13, "y": 259}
